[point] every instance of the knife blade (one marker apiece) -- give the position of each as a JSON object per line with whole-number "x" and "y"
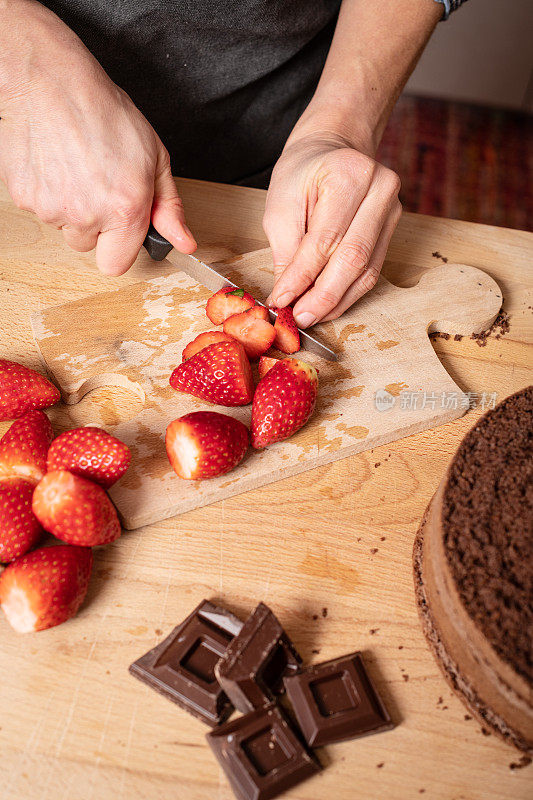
{"x": 159, "y": 248}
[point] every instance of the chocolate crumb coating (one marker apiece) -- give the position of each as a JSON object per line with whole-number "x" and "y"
{"x": 488, "y": 524}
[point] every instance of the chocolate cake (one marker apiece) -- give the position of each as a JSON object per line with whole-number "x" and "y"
{"x": 473, "y": 564}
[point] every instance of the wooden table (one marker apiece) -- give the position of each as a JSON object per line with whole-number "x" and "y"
{"x": 75, "y": 726}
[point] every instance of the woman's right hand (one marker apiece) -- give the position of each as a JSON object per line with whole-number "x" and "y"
{"x": 75, "y": 150}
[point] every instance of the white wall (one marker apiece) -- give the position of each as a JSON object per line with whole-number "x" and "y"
{"x": 482, "y": 54}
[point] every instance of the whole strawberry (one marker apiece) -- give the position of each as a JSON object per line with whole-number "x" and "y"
{"x": 283, "y": 402}
{"x": 204, "y": 444}
{"x": 22, "y": 389}
{"x": 46, "y": 587}
{"x": 75, "y": 510}
{"x": 219, "y": 374}
{"x": 90, "y": 453}
{"x": 24, "y": 446}
{"x": 20, "y": 530}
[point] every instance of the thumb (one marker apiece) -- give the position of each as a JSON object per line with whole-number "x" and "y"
{"x": 284, "y": 225}
{"x": 168, "y": 216}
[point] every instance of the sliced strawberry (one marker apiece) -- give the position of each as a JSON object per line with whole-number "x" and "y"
{"x": 266, "y": 363}
{"x": 22, "y": 389}
{"x": 75, "y": 510}
{"x": 46, "y": 587}
{"x": 261, "y": 312}
{"x": 220, "y": 374}
{"x": 24, "y": 446}
{"x": 254, "y": 333}
{"x": 20, "y": 530}
{"x": 204, "y": 340}
{"x": 204, "y": 444}
{"x": 90, "y": 453}
{"x": 226, "y": 302}
{"x": 283, "y": 401}
{"x": 287, "y": 336}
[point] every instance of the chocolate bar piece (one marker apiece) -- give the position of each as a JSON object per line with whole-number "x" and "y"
{"x": 252, "y": 669}
{"x": 261, "y": 754}
{"x": 182, "y": 667}
{"x": 335, "y": 701}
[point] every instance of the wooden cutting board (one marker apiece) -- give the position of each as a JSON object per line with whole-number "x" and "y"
{"x": 388, "y": 382}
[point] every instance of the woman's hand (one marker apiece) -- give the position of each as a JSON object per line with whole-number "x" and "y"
{"x": 329, "y": 217}
{"x": 75, "y": 150}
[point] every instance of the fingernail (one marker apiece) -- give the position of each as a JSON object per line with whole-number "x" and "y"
{"x": 268, "y": 301}
{"x": 282, "y": 301}
{"x": 305, "y": 320}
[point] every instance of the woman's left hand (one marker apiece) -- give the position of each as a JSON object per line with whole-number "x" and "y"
{"x": 330, "y": 214}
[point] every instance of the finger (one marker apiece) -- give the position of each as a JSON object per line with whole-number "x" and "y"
{"x": 168, "y": 216}
{"x": 284, "y": 223}
{"x": 367, "y": 280}
{"x": 349, "y": 260}
{"x": 333, "y": 212}
{"x": 78, "y": 239}
{"x": 117, "y": 248}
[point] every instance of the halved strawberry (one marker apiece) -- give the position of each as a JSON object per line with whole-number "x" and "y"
{"x": 90, "y": 453}
{"x": 226, "y": 302}
{"x": 266, "y": 363}
{"x": 46, "y": 587}
{"x": 24, "y": 446}
{"x": 261, "y": 312}
{"x": 254, "y": 332}
{"x": 287, "y": 336}
{"x": 75, "y": 510}
{"x": 283, "y": 401}
{"x": 220, "y": 374}
{"x": 204, "y": 340}
{"x": 204, "y": 444}
{"x": 20, "y": 529}
{"x": 22, "y": 389}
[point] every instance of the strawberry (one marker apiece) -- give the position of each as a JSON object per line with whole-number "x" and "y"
{"x": 266, "y": 363}
{"x": 75, "y": 510}
{"x": 20, "y": 530}
{"x": 22, "y": 389}
{"x": 90, "y": 453}
{"x": 283, "y": 401}
{"x": 204, "y": 340}
{"x": 46, "y": 587}
{"x": 254, "y": 332}
{"x": 260, "y": 312}
{"x": 220, "y": 374}
{"x": 226, "y": 302}
{"x": 287, "y": 336}
{"x": 24, "y": 446}
{"x": 204, "y": 444}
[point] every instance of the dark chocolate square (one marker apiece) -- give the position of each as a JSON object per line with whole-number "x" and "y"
{"x": 261, "y": 754}
{"x": 252, "y": 670}
{"x": 335, "y": 701}
{"x": 182, "y": 667}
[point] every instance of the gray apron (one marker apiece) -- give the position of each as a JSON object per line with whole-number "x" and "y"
{"x": 222, "y": 83}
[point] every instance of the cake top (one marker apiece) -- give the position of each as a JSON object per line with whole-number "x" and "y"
{"x": 488, "y": 527}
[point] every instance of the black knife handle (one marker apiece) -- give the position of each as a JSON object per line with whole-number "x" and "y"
{"x": 157, "y": 246}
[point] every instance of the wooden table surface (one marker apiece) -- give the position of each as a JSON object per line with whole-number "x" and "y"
{"x": 75, "y": 726}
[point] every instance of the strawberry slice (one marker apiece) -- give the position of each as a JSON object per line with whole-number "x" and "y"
{"x": 204, "y": 444}
{"x": 24, "y": 446}
{"x": 261, "y": 312}
{"x": 22, "y": 389}
{"x": 20, "y": 530}
{"x": 287, "y": 336}
{"x": 226, "y": 302}
{"x": 46, "y": 587}
{"x": 283, "y": 402}
{"x": 220, "y": 374}
{"x": 266, "y": 363}
{"x": 254, "y": 332}
{"x": 75, "y": 510}
{"x": 90, "y": 453}
{"x": 204, "y": 340}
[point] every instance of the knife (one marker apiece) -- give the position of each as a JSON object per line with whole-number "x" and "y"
{"x": 159, "y": 248}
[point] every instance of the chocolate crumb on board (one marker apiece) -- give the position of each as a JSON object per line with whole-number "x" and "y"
{"x": 467, "y": 717}
{"x": 400, "y": 647}
{"x": 440, "y": 700}
{"x": 485, "y": 732}
{"x": 373, "y": 631}
{"x": 315, "y": 616}
{"x": 381, "y": 764}
{"x": 376, "y": 465}
{"x": 382, "y": 538}
{"x": 523, "y": 761}
{"x": 499, "y": 328}
{"x": 436, "y": 254}
{"x": 373, "y": 550}
{"x": 405, "y": 677}
{"x": 316, "y": 652}
{"x": 324, "y": 612}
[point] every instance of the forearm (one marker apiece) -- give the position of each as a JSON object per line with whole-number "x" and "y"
{"x": 376, "y": 46}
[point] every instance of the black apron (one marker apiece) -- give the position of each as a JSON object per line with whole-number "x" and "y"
{"x": 222, "y": 83}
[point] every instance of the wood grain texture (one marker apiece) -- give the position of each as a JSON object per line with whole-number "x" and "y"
{"x": 134, "y": 338}
{"x": 75, "y": 726}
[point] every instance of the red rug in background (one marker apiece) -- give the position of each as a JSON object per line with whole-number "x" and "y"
{"x": 462, "y": 161}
